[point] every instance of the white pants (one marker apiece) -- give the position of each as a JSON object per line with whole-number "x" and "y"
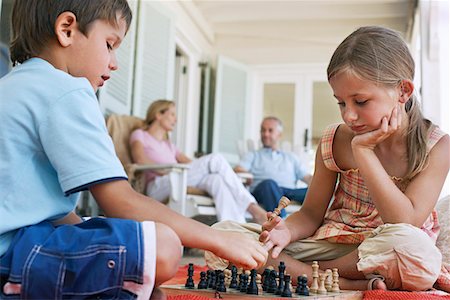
{"x": 213, "y": 174}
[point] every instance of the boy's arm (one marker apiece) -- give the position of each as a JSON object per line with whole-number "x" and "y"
{"x": 119, "y": 200}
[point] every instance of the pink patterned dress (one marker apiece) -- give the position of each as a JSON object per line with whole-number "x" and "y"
{"x": 352, "y": 215}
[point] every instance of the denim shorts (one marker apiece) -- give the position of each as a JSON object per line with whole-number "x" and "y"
{"x": 92, "y": 259}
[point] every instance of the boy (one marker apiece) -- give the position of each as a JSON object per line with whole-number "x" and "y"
{"x": 54, "y": 144}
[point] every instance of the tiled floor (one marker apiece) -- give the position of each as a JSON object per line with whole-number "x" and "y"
{"x": 194, "y": 256}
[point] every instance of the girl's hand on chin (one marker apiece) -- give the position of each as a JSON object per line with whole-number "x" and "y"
{"x": 372, "y": 138}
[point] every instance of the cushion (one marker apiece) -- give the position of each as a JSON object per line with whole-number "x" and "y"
{"x": 443, "y": 241}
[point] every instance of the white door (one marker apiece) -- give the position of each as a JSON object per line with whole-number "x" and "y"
{"x": 116, "y": 95}
{"x": 230, "y": 107}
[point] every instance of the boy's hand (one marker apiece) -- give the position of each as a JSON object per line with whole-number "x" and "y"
{"x": 370, "y": 139}
{"x": 275, "y": 235}
{"x": 241, "y": 250}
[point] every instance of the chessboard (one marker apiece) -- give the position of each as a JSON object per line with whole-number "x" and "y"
{"x": 180, "y": 289}
{"x": 235, "y": 283}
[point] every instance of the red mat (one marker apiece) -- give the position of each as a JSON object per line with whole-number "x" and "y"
{"x": 396, "y": 295}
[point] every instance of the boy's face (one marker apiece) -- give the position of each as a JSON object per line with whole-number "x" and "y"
{"x": 93, "y": 56}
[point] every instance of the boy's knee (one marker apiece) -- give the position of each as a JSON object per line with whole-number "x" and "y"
{"x": 168, "y": 253}
{"x": 405, "y": 255}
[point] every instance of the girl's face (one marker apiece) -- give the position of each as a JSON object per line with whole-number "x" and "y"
{"x": 168, "y": 119}
{"x": 363, "y": 104}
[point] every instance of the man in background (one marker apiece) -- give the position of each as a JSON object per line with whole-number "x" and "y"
{"x": 275, "y": 172}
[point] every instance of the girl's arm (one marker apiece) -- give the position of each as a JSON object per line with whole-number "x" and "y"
{"x": 307, "y": 220}
{"x": 277, "y": 234}
{"x": 118, "y": 199}
{"x": 419, "y": 199}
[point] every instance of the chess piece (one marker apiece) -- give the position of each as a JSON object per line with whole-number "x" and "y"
{"x": 212, "y": 283}
{"x": 281, "y": 269}
{"x": 284, "y": 201}
{"x": 287, "y": 287}
{"x": 244, "y": 283}
{"x": 221, "y": 282}
{"x": 227, "y": 273}
{"x": 302, "y": 286}
{"x": 335, "y": 286}
{"x": 233, "y": 282}
{"x": 328, "y": 279}
{"x": 315, "y": 277}
{"x": 322, "y": 290}
{"x": 203, "y": 284}
{"x": 265, "y": 279}
{"x": 272, "y": 287}
{"x": 190, "y": 281}
{"x": 252, "y": 287}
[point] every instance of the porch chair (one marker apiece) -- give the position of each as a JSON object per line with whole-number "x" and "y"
{"x": 189, "y": 202}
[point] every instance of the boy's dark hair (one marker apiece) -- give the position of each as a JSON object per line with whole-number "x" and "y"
{"x": 33, "y": 21}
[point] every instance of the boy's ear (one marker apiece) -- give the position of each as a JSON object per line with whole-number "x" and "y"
{"x": 65, "y": 27}
{"x": 406, "y": 90}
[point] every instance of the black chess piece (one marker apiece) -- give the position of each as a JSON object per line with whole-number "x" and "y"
{"x": 217, "y": 278}
{"x": 302, "y": 286}
{"x": 272, "y": 287}
{"x": 212, "y": 282}
{"x": 244, "y": 283}
{"x": 287, "y": 287}
{"x": 241, "y": 281}
{"x": 221, "y": 282}
{"x": 203, "y": 284}
{"x": 190, "y": 281}
{"x": 233, "y": 282}
{"x": 281, "y": 269}
{"x": 252, "y": 287}
{"x": 265, "y": 279}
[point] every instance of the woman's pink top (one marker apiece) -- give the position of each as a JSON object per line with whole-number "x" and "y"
{"x": 159, "y": 152}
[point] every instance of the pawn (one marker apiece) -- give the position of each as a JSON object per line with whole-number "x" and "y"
{"x": 335, "y": 286}
{"x": 265, "y": 279}
{"x": 244, "y": 283}
{"x": 221, "y": 283}
{"x": 322, "y": 290}
{"x": 328, "y": 279}
{"x": 190, "y": 281}
{"x": 302, "y": 286}
{"x": 287, "y": 287}
{"x": 252, "y": 287}
{"x": 272, "y": 287}
{"x": 241, "y": 281}
{"x": 233, "y": 282}
{"x": 212, "y": 282}
{"x": 203, "y": 284}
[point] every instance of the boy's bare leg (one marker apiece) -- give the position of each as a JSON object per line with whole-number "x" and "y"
{"x": 158, "y": 294}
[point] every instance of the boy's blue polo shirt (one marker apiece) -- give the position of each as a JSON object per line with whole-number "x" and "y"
{"x": 53, "y": 144}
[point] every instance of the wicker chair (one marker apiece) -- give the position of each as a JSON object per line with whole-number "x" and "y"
{"x": 185, "y": 200}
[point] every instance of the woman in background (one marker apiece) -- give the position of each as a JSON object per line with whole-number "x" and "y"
{"x": 212, "y": 173}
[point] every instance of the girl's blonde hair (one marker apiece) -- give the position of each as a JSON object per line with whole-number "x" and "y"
{"x": 158, "y": 106}
{"x": 380, "y": 55}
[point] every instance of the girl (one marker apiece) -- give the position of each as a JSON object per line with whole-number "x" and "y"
{"x": 211, "y": 173}
{"x": 385, "y": 167}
